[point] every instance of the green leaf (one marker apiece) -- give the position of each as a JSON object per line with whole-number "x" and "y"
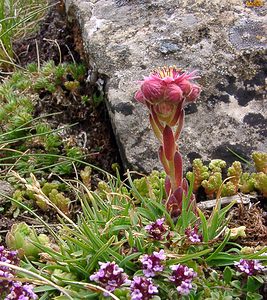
{"x": 227, "y": 274}
{"x": 204, "y": 224}
{"x": 253, "y": 296}
{"x": 129, "y": 258}
{"x": 44, "y": 288}
{"x": 218, "y": 249}
{"x": 186, "y": 257}
{"x": 99, "y": 253}
{"x": 236, "y": 284}
{"x": 253, "y": 284}
{"x": 214, "y": 275}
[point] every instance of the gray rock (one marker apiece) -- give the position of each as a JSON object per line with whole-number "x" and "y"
{"x": 224, "y": 40}
{"x": 7, "y": 189}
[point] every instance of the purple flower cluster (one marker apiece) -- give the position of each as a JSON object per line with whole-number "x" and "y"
{"x": 193, "y": 235}
{"x": 9, "y": 288}
{"x": 21, "y": 291}
{"x": 182, "y": 277}
{"x": 153, "y": 263}
{"x": 157, "y": 230}
{"x": 249, "y": 267}
{"x": 110, "y": 276}
{"x": 142, "y": 288}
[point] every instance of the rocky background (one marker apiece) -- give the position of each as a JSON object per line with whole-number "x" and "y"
{"x": 226, "y": 40}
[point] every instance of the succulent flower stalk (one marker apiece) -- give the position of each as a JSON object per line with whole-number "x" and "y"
{"x": 165, "y": 92}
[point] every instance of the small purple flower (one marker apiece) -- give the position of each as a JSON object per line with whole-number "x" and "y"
{"x": 157, "y": 229}
{"x": 193, "y": 235}
{"x": 9, "y": 288}
{"x": 249, "y": 267}
{"x": 9, "y": 257}
{"x": 152, "y": 263}
{"x": 21, "y": 291}
{"x": 142, "y": 288}
{"x": 110, "y": 276}
{"x": 182, "y": 277}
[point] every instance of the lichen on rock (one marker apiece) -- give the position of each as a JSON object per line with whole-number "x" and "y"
{"x": 223, "y": 40}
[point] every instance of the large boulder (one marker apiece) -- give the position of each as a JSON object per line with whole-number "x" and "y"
{"x": 224, "y": 39}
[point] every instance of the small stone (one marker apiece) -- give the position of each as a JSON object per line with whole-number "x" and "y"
{"x": 7, "y": 189}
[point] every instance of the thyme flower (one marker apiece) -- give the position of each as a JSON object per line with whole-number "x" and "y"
{"x": 182, "y": 277}
{"x": 152, "y": 264}
{"x": 249, "y": 267}
{"x": 142, "y": 288}
{"x": 110, "y": 276}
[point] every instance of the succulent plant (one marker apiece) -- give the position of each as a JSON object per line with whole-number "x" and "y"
{"x": 247, "y": 183}
{"x": 200, "y": 173}
{"x": 216, "y": 165}
{"x": 21, "y": 236}
{"x": 261, "y": 183}
{"x": 86, "y": 176}
{"x": 212, "y": 184}
{"x": 151, "y": 185}
{"x": 236, "y": 232}
{"x": 260, "y": 161}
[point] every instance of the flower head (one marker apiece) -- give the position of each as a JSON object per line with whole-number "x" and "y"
{"x": 152, "y": 264}
{"x": 21, "y": 291}
{"x": 193, "y": 235}
{"x": 110, "y": 276}
{"x": 182, "y": 277}
{"x": 10, "y": 288}
{"x": 157, "y": 229}
{"x": 142, "y": 288}
{"x": 168, "y": 84}
{"x": 249, "y": 267}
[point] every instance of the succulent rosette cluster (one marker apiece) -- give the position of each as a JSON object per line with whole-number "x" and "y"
{"x": 10, "y": 288}
{"x": 165, "y": 92}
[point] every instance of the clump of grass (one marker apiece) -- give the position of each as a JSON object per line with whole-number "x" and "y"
{"x": 116, "y": 230}
{"x": 17, "y": 18}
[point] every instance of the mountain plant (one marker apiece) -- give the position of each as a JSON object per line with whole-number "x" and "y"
{"x": 211, "y": 177}
{"x": 147, "y": 239}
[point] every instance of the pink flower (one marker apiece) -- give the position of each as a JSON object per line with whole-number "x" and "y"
{"x": 168, "y": 84}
